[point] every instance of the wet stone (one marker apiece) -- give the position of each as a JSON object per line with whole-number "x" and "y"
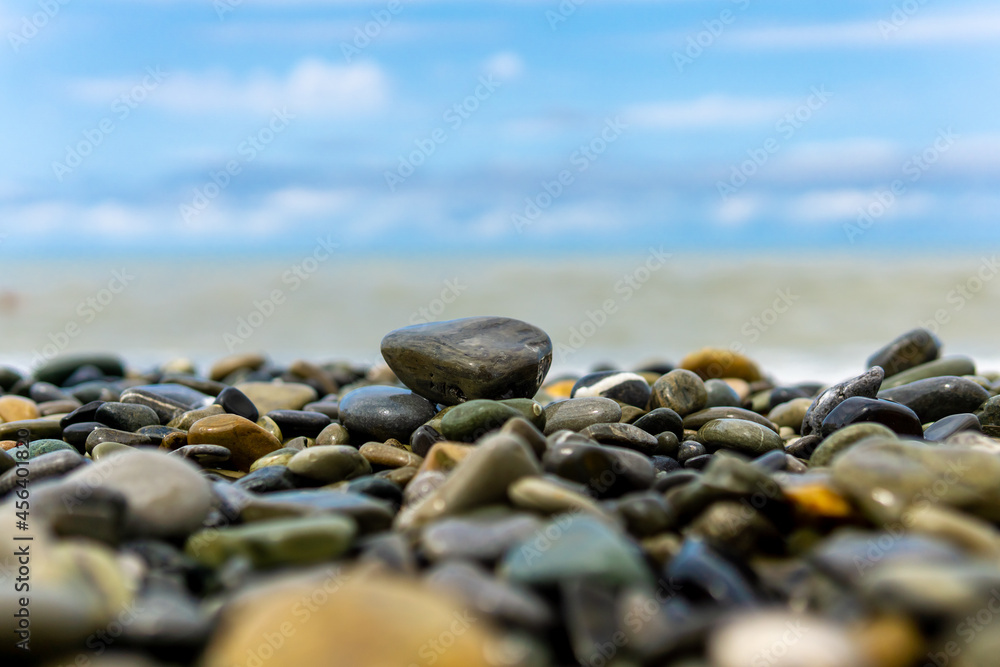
{"x": 804, "y": 447}
{"x": 608, "y": 471}
{"x": 235, "y": 402}
{"x": 379, "y": 413}
{"x": 698, "y": 419}
{"x": 943, "y": 429}
{"x": 37, "y": 429}
{"x": 76, "y": 434}
{"x": 623, "y": 435}
{"x": 689, "y": 450}
{"x": 245, "y": 440}
{"x": 628, "y": 388}
{"x": 226, "y": 366}
{"x": 298, "y": 423}
{"x": 333, "y": 434}
{"x": 953, "y": 365}
{"x": 40, "y": 447}
{"x": 269, "y": 479}
{"x": 157, "y": 433}
{"x": 85, "y": 413}
{"x": 721, "y": 395}
{"x": 901, "y": 419}
{"x": 290, "y": 541}
{"x": 471, "y": 358}
{"x": 329, "y": 463}
{"x": 911, "y": 349}
{"x": 473, "y": 419}
{"x": 125, "y": 416}
{"x": 203, "y": 455}
{"x": 865, "y": 385}
{"x": 661, "y": 420}
{"x": 387, "y": 456}
{"x": 376, "y": 487}
{"x": 186, "y": 420}
{"x": 528, "y": 432}
{"x": 839, "y": 441}
{"x": 423, "y": 438}
{"x": 743, "y": 436}
{"x": 99, "y": 435}
{"x": 680, "y": 390}
{"x": 791, "y": 413}
{"x": 576, "y": 414}
{"x": 936, "y": 398}
{"x": 42, "y": 467}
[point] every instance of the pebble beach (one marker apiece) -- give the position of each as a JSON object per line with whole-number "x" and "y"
{"x": 461, "y": 503}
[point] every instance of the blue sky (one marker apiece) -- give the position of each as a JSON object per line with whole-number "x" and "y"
{"x": 498, "y": 127}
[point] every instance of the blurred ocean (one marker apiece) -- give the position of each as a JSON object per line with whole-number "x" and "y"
{"x": 810, "y": 318}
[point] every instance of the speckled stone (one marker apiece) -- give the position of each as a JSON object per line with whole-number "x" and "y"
{"x": 245, "y": 440}
{"x": 126, "y": 416}
{"x": 680, "y": 390}
{"x": 379, "y": 413}
{"x": 865, "y": 385}
{"x": 577, "y": 414}
{"x": 739, "y": 435}
{"x": 471, "y": 358}
{"x": 473, "y": 419}
{"x": 911, "y": 349}
{"x": 44, "y": 446}
{"x": 623, "y": 435}
{"x": 622, "y": 386}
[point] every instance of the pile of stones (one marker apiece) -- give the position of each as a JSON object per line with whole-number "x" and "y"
{"x": 455, "y": 506}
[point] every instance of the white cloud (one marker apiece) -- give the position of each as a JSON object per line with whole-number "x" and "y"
{"x": 710, "y": 111}
{"x": 739, "y": 209}
{"x": 505, "y": 65}
{"x": 852, "y": 158}
{"x": 311, "y": 87}
{"x": 916, "y": 29}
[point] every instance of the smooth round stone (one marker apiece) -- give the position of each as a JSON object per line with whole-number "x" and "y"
{"x": 17, "y": 408}
{"x": 482, "y": 479}
{"x": 330, "y": 408}
{"x": 790, "y": 413}
{"x": 99, "y": 435}
{"x": 226, "y": 366}
{"x": 575, "y": 546}
{"x": 625, "y": 387}
{"x": 803, "y": 640}
{"x": 333, "y": 434}
{"x": 469, "y": 421}
{"x": 660, "y": 421}
{"x": 680, "y": 390}
{"x": 623, "y": 435}
{"x": 939, "y": 397}
{"x": 85, "y": 413}
{"x": 279, "y": 457}
{"x": 953, "y": 365}
{"x": 988, "y": 413}
{"x": 739, "y": 435}
{"x": 423, "y": 439}
{"x": 899, "y": 418}
{"x": 77, "y": 434}
{"x": 530, "y": 410}
{"x": 528, "y": 432}
{"x": 780, "y": 395}
{"x": 387, "y": 456}
{"x": 267, "y": 396}
{"x": 545, "y": 496}
{"x": 710, "y": 362}
{"x": 186, "y": 420}
{"x": 721, "y": 395}
{"x": 246, "y": 441}
{"x": 329, "y": 463}
{"x": 60, "y": 368}
{"x": 608, "y": 471}
{"x": 269, "y": 479}
{"x": 45, "y": 446}
{"x": 475, "y": 357}
{"x": 271, "y": 427}
{"x": 576, "y": 414}
{"x": 911, "y": 349}
{"x": 667, "y": 445}
{"x": 42, "y": 467}
{"x": 203, "y": 455}
{"x": 696, "y": 420}
{"x": 479, "y": 590}
{"x": 379, "y": 413}
{"x": 157, "y": 433}
{"x": 165, "y": 404}
{"x": 407, "y": 615}
{"x": 837, "y": 443}
{"x": 481, "y": 536}
{"x": 865, "y": 385}
{"x": 125, "y": 416}
{"x": 40, "y": 392}
{"x": 292, "y": 541}
{"x": 943, "y": 429}
{"x": 297, "y": 423}
{"x": 369, "y": 514}
{"x": 36, "y": 428}
{"x": 803, "y": 447}
{"x": 235, "y": 402}
{"x": 884, "y": 477}
{"x": 166, "y": 495}
{"x": 698, "y": 462}
{"x": 100, "y": 390}
{"x": 106, "y": 449}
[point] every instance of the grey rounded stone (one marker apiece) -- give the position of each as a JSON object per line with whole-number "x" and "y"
{"x": 126, "y": 416}
{"x": 911, "y": 349}
{"x": 680, "y": 390}
{"x": 865, "y": 385}
{"x": 628, "y": 388}
{"x": 739, "y": 435}
{"x": 576, "y": 414}
{"x": 935, "y": 398}
{"x": 840, "y": 441}
{"x": 379, "y": 413}
{"x": 329, "y": 463}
